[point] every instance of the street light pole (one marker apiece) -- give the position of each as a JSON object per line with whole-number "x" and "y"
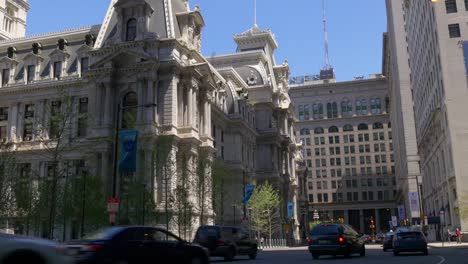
{"x": 83, "y": 205}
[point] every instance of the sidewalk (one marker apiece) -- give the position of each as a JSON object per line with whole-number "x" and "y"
{"x": 448, "y": 245}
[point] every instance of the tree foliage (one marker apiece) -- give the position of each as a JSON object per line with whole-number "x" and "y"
{"x": 264, "y": 207}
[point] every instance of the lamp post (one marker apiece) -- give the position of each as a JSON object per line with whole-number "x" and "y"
{"x": 116, "y": 142}
{"x": 83, "y": 203}
{"x": 144, "y": 203}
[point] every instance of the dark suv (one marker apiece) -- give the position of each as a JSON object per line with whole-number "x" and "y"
{"x": 335, "y": 239}
{"x": 226, "y": 241}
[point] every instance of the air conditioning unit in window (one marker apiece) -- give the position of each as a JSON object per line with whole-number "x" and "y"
{"x": 84, "y": 100}
{"x": 3, "y": 117}
{"x": 29, "y": 114}
{"x": 27, "y": 139}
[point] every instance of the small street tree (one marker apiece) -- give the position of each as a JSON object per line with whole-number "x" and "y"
{"x": 221, "y": 179}
{"x": 264, "y": 205}
{"x": 8, "y": 181}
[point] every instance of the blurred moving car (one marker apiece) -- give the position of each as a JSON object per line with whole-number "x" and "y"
{"x": 413, "y": 241}
{"x": 136, "y": 244}
{"x": 226, "y": 241}
{"x": 388, "y": 241}
{"x": 379, "y": 238}
{"x": 335, "y": 239}
{"x": 22, "y": 249}
{"x": 367, "y": 238}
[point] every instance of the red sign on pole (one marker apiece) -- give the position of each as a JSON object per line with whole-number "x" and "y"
{"x": 113, "y": 205}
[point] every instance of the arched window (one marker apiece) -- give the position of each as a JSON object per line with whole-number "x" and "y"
{"x": 131, "y": 29}
{"x": 376, "y": 106}
{"x": 129, "y": 110}
{"x": 363, "y": 127}
{"x": 319, "y": 130}
{"x": 377, "y": 125}
{"x": 333, "y": 129}
{"x": 348, "y": 128}
{"x": 318, "y": 111}
{"x": 305, "y": 131}
{"x": 332, "y": 110}
{"x": 346, "y": 108}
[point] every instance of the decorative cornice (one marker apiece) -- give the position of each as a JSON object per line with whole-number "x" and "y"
{"x": 51, "y": 35}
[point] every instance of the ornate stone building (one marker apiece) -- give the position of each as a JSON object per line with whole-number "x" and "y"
{"x": 144, "y": 62}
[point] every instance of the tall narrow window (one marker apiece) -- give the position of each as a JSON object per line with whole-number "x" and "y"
{"x": 84, "y": 65}
{"x": 31, "y": 73}
{"x": 306, "y": 112}
{"x": 5, "y": 76}
{"x": 129, "y": 110}
{"x": 301, "y": 112}
{"x": 55, "y": 120}
{"x": 329, "y": 110}
{"x": 57, "y": 70}
{"x": 27, "y": 132}
{"x": 466, "y": 5}
{"x": 3, "y": 133}
{"x": 131, "y": 29}
{"x": 454, "y": 30}
{"x": 334, "y": 110}
{"x": 451, "y": 6}
{"x": 82, "y": 117}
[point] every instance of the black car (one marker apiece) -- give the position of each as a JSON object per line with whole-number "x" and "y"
{"x": 412, "y": 241}
{"x": 138, "y": 245}
{"x": 335, "y": 239}
{"x": 388, "y": 241}
{"x": 226, "y": 241}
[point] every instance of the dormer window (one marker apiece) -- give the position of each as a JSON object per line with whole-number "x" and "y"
{"x": 84, "y": 65}
{"x": 57, "y": 70}
{"x": 62, "y": 43}
{"x": 36, "y": 48}
{"x": 131, "y": 29}
{"x": 5, "y": 77}
{"x": 31, "y": 73}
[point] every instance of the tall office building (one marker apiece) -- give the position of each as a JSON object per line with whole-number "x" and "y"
{"x": 435, "y": 34}
{"x": 396, "y": 68}
{"x": 346, "y": 132}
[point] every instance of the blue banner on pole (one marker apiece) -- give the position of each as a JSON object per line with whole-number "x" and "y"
{"x": 290, "y": 210}
{"x": 249, "y": 189}
{"x": 128, "y": 155}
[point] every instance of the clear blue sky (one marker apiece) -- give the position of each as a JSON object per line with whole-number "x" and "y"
{"x": 355, "y": 28}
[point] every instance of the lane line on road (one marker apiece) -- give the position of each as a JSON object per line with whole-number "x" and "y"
{"x": 442, "y": 260}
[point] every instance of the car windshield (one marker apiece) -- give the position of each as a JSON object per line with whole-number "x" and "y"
{"x": 410, "y": 236}
{"x": 326, "y": 230}
{"x": 207, "y": 231}
{"x": 104, "y": 234}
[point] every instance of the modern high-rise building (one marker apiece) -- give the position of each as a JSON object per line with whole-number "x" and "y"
{"x": 396, "y": 69}
{"x": 434, "y": 37}
{"x": 13, "y": 15}
{"x": 346, "y": 133}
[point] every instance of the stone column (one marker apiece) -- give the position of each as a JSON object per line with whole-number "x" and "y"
{"x": 207, "y": 117}
{"x": 98, "y": 105}
{"x": 377, "y": 221}
{"x": 361, "y": 220}
{"x": 13, "y": 123}
{"x": 107, "y": 113}
{"x": 190, "y": 106}
{"x": 141, "y": 100}
{"x": 150, "y": 116}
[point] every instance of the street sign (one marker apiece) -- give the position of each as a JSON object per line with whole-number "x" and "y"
{"x": 394, "y": 221}
{"x": 316, "y": 215}
{"x": 290, "y": 210}
{"x": 113, "y": 205}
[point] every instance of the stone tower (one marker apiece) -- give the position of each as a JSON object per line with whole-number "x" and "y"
{"x": 13, "y": 15}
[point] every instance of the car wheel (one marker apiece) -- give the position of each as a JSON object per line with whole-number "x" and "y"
{"x": 24, "y": 257}
{"x": 315, "y": 256}
{"x": 384, "y": 249}
{"x": 120, "y": 262}
{"x": 347, "y": 252}
{"x": 253, "y": 255}
{"x": 196, "y": 260}
{"x": 230, "y": 254}
{"x": 395, "y": 253}
{"x": 426, "y": 252}
{"x": 363, "y": 252}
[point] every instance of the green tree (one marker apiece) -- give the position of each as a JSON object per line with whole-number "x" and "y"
{"x": 463, "y": 207}
{"x": 8, "y": 181}
{"x": 221, "y": 179}
{"x": 264, "y": 205}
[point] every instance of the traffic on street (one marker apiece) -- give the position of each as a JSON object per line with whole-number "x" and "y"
{"x": 374, "y": 254}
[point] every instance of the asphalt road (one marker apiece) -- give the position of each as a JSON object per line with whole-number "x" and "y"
{"x": 374, "y": 254}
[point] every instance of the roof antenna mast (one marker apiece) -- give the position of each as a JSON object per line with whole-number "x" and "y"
{"x": 325, "y": 31}
{"x": 255, "y": 13}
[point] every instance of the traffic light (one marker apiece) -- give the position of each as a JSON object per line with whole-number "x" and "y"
{"x": 372, "y": 224}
